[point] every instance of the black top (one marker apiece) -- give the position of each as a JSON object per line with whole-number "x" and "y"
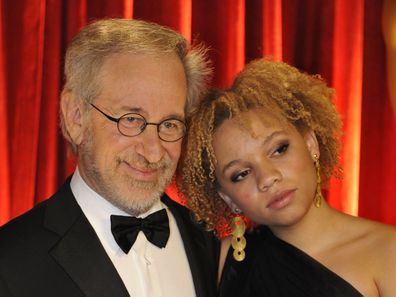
{"x": 273, "y": 267}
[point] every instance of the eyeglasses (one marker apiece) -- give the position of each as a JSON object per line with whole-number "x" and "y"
{"x": 132, "y": 124}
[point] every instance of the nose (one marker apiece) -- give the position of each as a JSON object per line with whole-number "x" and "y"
{"x": 150, "y": 146}
{"x": 268, "y": 175}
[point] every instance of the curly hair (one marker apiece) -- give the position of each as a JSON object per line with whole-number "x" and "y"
{"x": 303, "y": 100}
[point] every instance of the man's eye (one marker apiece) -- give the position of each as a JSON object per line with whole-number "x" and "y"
{"x": 132, "y": 121}
{"x": 239, "y": 176}
{"x": 169, "y": 125}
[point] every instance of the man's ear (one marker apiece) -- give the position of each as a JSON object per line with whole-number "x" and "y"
{"x": 228, "y": 201}
{"x": 72, "y": 114}
{"x": 312, "y": 142}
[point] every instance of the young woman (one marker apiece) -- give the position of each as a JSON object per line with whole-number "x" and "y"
{"x": 265, "y": 148}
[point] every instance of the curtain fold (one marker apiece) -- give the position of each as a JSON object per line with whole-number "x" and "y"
{"x": 5, "y": 197}
{"x": 47, "y": 157}
{"x": 24, "y": 68}
{"x": 378, "y": 156}
{"x": 347, "y": 76}
{"x": 176, "y": 14}
{"x": 223, "y": 28}
{"x": 272, "y": 28}
{"x": 340, "y": 40}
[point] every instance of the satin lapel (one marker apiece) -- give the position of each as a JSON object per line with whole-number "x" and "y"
{"x": 79, "y": 250}
{"x": 196, "y": 250}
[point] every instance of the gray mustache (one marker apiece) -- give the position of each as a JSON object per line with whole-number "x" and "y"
{"x": 144, "y": 164}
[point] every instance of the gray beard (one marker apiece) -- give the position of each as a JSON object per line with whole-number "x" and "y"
{"x": 152, "y": 191}
{"x": 145, "y": 193}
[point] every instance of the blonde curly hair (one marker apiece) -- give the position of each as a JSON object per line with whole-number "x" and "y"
{"x": 303, "y": 100}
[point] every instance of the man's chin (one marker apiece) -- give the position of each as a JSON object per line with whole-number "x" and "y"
{"x": 136, "y": 202}
{"x": 147, "y": 186}
{"x": 138, "y": 196}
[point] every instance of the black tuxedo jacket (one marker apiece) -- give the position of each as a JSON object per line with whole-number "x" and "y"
{"x": 53, "y": 251}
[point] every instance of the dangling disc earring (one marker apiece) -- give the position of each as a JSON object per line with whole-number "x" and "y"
{"x": 318, "y": 195}
{"x": 238, "y": 241}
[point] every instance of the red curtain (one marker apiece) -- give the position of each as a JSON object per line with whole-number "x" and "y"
{"x": 341, "y": 40}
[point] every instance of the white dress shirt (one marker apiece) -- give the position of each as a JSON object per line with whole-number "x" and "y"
{"x": 147, "y": 270}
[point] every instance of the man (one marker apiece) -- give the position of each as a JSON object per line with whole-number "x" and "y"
{"x": 129, "y": 85}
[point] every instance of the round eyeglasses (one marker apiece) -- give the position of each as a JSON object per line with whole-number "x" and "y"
{"x": 132, "y": 124}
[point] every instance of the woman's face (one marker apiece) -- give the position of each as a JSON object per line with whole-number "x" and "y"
{"x": 271, "y": 177}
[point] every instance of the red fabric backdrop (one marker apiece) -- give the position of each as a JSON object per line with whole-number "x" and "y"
{"x": 341, "y": 40}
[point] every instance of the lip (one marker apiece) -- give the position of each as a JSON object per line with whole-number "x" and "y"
{"x": 281, "y": 199}
{"x": 140, "y": 173}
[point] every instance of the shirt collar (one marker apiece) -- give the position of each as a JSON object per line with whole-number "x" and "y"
{"x": 98, "y": 210}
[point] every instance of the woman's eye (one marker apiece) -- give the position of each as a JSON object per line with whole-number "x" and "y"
{"x": 281, "y": 149}
{"x": 239, "y": 176}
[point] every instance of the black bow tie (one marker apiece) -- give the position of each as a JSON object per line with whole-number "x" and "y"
{"x": 126, "y": 229}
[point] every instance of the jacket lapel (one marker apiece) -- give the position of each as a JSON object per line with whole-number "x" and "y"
{"x": 198, "y": 249}
{"x": 79, "y": 250}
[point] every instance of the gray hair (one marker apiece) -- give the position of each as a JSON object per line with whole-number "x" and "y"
{"x": 96, "y": 42}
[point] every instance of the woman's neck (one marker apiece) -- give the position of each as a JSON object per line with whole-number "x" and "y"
{"x": 311, "y": 232}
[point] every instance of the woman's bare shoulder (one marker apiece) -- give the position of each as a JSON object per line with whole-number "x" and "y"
{"x": 379, "y": 234}
{"x": 374, "y": 237}
{"x": 378, "y": 242}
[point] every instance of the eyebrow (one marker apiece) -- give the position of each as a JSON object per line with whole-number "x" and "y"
{"x": 265, "y": 142}
{"x": 139, "y": 110}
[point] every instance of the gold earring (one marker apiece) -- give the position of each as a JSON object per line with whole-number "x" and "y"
{"x": 238, "y": 241}
{"x": 318, "y": 195}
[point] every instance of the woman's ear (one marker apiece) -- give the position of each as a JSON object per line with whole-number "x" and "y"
{"x": 72, "y": 112}
{"x": 312, "y": 142}
{"x": 229, "y": 202}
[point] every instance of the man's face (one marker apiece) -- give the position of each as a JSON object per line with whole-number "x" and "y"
{"x": 132, "y": 172}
